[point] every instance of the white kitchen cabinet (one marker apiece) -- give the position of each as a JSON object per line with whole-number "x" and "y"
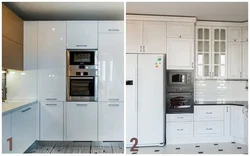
{"x": 179, "y": 129}
{"x": 245, "y": 60}
{"x": 180, "y": 53}
{"x": 111, "y": 26}
{"x": 245, "y": 33}
{"x": 82, "y": 34}
{"x": 154, "y": 37}
{"x": 110, "y": 121}
{"x": 81, "y": 121}
{"x": 208, "y": 113}
{"x": 146, "y": 37}
{"x": 208, "y": 129}
{"x": 51, "y": 121}
{"x": 133, "y": 36}
{"x": 24, "y": 128}
{"x": 234, "y": 34}
{"x": 237, "y": 122}
{"x": 6, "y": 133}
{"x": 180, "y": 117}
{"x": 111, "y": 60}
{"x": 180, "y": 30}
{"x": 131, "y": 98}
{"x": 246, "y": 126}
{"x": 51, "y": 60}
{"x": 234, "y": 64}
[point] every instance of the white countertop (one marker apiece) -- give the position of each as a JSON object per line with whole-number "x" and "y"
{"x": 10, "y": 106}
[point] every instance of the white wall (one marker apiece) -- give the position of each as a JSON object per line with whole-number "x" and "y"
{"x": 220, "y": 90}
{"x": 22, "y": 85}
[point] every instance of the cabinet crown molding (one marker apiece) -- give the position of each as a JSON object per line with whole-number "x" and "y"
{"x": 221, "y": 24}
{"x": 161, "y": 18}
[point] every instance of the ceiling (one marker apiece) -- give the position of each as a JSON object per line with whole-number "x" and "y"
{"x": 68, "y": 10}
{"x": 221, "y": 11}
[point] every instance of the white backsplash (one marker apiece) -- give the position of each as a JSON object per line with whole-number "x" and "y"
{"x": 220, "y": 90}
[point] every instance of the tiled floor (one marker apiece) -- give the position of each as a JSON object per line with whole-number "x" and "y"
{"x": 52, "y": 147}
{"x": 204, "y": 148}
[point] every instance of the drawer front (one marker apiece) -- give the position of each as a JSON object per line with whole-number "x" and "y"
{"x": 180, "y": 129}
{"x": 214, "y": 128}
{"x": 180, "y": 117}
{"x": 111, "y": 27}
{"x": 209, "y": 113}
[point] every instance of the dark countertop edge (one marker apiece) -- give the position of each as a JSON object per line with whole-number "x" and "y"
{"x": 20, "y": 107}
{"x": 204, "y": 104}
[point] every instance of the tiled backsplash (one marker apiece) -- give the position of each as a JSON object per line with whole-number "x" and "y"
{"x": 220, "y": 90}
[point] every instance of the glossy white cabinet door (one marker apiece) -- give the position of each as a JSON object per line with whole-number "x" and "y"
{"x": 245, "y": 34}
{"x": 134, "y": 36}
{"x": 6, "y": 133}
{"x": 111, "y": 68}
{"x": 234, "y": 34}
{"x": 237, "y": 121}
{"x": 110, "y": 121}
{"x": 154, "y": 37}
{"x": 111, "y": 26}
{"x": 82, "y": 34}
{"x": 81, "y": 121}
{"x": 131, "y": 98}
{"x": 24, "y": 128}
{"x": 234, "y": 60}
{"x": 180, "y": 30}
{"x": 51, "y": 60}
{"x": 245, "y": 60}
{"x": 180, "y": 53}
{"x": 51, "y": 121}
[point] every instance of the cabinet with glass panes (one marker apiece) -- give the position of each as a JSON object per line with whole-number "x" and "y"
{"x": 211, "y": 52}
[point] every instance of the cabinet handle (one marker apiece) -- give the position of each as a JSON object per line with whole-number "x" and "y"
{"x": 143, "y": 48}
{"x": 25, "y": 110}
{"x": 209, "y": 129}
{"x": 51, "y": 99}
{"x": 140, "y": 48}
{"x": 113, "y": 29}
{"x": 179, "y": 117}
{"x": 240, "y": 74}
{"x": 113, "y": 105}
{"x": 51, "y": 104}
{"x": 242, "y": 110}
{"x": 227, "y": 108}
{"x": 209, "y": 113}
{"x": 10, "y": 143}
{"x": 192, "y": 64}
{"x": 82, "y": 45}
{"x": 234, "y": 40}
{"x": 113, "y": 99}
{"x": 180, "y": 36}
{"x": 82, "y": 104}
{"x": 179, "y": 129}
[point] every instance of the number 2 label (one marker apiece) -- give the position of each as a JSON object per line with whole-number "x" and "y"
{"x": 134, "y": 147}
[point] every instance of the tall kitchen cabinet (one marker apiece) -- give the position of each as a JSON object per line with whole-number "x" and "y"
{"x": 144, "y": 98}
{"x": 146, "y": 37}
{"x": 111, "y": 81}
{"x": 237, "y": 122}
{"x": 51, "y": 77}
{"x": 180, "y": 45}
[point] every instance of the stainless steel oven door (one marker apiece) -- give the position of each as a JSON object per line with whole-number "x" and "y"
{"x": 180, "y": 102}
{"x": 82, "y": 88}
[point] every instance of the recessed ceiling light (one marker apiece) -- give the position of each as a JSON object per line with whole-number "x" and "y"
{"x": 53, "y": 29}
{"x": 61, "y": 38}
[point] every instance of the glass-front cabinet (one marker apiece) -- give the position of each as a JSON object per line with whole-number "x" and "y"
{"x": 211, "y": 50}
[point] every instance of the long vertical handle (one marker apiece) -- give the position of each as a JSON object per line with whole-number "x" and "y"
{"x": 10, "y": 143}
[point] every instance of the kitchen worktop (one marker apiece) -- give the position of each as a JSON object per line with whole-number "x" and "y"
{"x": 11, "y": 106}
{"x": 236, "y": 103}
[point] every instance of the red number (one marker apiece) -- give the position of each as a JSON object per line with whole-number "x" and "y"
{"x": 10, "y": 143}
{"x": 134, "y": 147}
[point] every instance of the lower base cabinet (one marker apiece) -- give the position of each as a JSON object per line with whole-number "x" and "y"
{"x": 179, "y": 129}
{"x": 6, "y": 133}
{"x": 51, "y": 121}
{"x": 111, "y": 121}
{"x": 81, "y": 121}
{"x": 237, "y": 122}
{"x": 208, "y": 129}
{"x": 246, "y": 126}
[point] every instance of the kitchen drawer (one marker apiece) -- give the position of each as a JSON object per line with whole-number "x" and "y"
{"x": 111, "y": 27}
{"x": 213, "y": 128}
{"x": 179, "y": 117}
{"x": 180, "y": 129}
{"x": 208, "y": 113}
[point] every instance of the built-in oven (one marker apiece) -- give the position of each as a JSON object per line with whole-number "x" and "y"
{"x": 180, "y": 102}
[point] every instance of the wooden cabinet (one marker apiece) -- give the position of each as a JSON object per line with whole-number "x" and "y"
{"x": 234, "y": 65}
{"x": 6, "y": 134}
{"x": 81, "y": 121}
{"x": 111, "y": 121}
{"x": 51, "y": 121}
{"x": 180, "y": 30}
{"x": 237, "y": 122}
{"x": 234, "y": 34}
{"x": 146, "y": 37}
{"x": 12, "y": 40}
{"x": 180, "y": 53}
{"x": 82, "y": 34}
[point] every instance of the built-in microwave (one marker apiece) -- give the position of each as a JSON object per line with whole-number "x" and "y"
{"x": 179, "y": 77}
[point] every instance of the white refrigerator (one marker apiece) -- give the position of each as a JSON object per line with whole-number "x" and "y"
{"x": 145, "y": 99}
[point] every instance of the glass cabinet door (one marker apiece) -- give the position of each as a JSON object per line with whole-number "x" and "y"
{"x": 203, "y": 50}
{"x": 219, "y": 52}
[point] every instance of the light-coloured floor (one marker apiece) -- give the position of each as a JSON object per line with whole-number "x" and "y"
{"x": 200, "y": 148}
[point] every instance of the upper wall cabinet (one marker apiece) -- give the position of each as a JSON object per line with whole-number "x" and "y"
{"x": 146, "y": 37}
{"x": 82, "y": 34}
{"x": 234, "y": 34}
{"x": 245, "y": 33}
{"x": 180, "y": 30}
{"x": 234, "y": 60}
{"x": 245, "y": 60}
{"x": 12, "y": 40}
{"x": 111, "y": 26}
